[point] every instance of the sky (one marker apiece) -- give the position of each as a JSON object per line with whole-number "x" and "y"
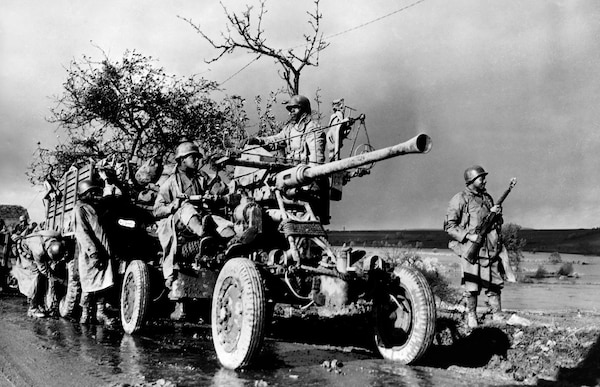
{"x": 513, "y": 86}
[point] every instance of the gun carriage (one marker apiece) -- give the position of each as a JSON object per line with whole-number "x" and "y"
{"x": 288, "y": 261}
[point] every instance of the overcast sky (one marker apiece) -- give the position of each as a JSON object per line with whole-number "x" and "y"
{"x": 511, "y": 85}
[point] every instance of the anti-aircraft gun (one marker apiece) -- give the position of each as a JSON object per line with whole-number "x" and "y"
{"x": 292, "y": 262}
{"x": 284, "y": 257}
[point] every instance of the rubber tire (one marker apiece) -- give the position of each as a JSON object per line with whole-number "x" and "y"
{"x": 408, "y": 342}
{"x": 135, "y": 296}
{"x": 239, "y": 289}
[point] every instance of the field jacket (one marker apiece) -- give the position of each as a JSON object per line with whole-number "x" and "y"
{"x": 93, "y": 245}
{"x": 32, "y": 262}
{"x": 177, "y": 184}
{"x": 304, "y": 141}
{"x": 466, "y": 211}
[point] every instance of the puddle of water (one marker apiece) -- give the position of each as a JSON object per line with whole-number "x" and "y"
{"x": 549, "y": 294}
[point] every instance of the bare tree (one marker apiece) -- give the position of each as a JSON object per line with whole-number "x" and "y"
{"x": 247, "y": 33}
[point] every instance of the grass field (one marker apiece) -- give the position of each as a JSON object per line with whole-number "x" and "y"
{"x": 571, "y": 241}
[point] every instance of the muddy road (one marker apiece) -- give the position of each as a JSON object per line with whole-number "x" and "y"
{"x": 299, "y": 350}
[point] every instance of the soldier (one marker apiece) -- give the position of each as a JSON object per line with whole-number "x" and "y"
{"x": 177, "y": 214}
{"x": 94, "y": 260}
{"x": 33, "y": 270}
{"x": 304, "y": 143}
{"x": 22, "y": 227}
{"x": 465, "y": 211}
{"x": 20, "y": 230}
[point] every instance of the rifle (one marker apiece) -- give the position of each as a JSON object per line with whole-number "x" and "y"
{"x": 485, "y": 226}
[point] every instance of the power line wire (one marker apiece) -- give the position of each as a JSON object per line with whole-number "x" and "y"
{"x": 375, "y": 20}
{"x": 242, "y": 69}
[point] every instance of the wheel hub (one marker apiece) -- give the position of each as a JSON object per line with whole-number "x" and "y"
{"x": 230, "y": 314}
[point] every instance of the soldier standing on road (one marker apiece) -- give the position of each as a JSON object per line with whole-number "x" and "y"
{"x": 33, "y": 271}
{"x": 304, "y": 143}
{"x": 465, "y": 212}
{"x": 94, "y": 260}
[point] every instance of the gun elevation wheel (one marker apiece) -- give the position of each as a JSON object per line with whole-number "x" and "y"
{"x": 405, "y": 317}
{"x": 238, "y": 313}
{"x": 135, "y": 296}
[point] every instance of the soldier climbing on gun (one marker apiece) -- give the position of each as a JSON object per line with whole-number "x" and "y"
{"x": 304, "y": 142}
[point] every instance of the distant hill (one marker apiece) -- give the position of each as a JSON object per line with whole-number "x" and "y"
{"x": 569, "y": 241}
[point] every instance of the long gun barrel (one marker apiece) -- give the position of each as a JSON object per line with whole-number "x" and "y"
{"x": 304, "y": 174}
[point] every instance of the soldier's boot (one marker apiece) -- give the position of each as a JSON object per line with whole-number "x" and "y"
{"x": 495, "y": 306}
{"x": 86, "y": 309}
{"x": 101, "y": 315}
{"x": 179, "y": 312}
{"x": 34, "y": 311}
{"x": 472, "y": 311}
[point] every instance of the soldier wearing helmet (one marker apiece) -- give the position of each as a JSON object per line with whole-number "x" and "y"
{"x": 94, "y": 261}
{"x": 33, "y": 270}
{"x": 178, "y": 215}
{"x": 304, "y": 142}
{"x": 22, "y": 228}
{"x": 465, "y": 212}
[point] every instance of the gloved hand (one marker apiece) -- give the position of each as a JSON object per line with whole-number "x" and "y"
{"x": 177, "y": 203}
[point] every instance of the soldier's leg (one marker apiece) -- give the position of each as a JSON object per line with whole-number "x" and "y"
{"x": 51, "y": 298}
{"x": 37, "y": 295}
{"x": 471, "y": 304}
{"x": 101, "y": 312}
{"x": 67, "y": 304}
{"x": 86, "y": 308}
{"x": 471, "y": 283}
{"x": 191, "y": 218}
{"x": 495, "y": 305}
{"x": 494, "y": 290}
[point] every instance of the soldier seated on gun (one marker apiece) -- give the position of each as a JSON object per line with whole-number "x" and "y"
{"x": 178, "y": 215}
{"x": 34, "y": 271}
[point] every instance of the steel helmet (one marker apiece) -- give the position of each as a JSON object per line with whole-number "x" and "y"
{"x": 186, "y": 148}
{"x": 299, "y": 101}
{"x": 86, "y": 186}
{"x": 473, "y": 173}
{"x": 56, "y": 250}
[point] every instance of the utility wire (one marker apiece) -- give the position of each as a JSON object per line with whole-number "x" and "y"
{"x": 242, "y": 69}
{"x": 375, "y": 20}
{"x": 334, "y": 35}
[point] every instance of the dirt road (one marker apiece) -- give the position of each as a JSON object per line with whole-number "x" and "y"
{"x": 553, "y": 350}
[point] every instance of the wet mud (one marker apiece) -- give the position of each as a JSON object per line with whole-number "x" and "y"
{"x": 303, "y": 348}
